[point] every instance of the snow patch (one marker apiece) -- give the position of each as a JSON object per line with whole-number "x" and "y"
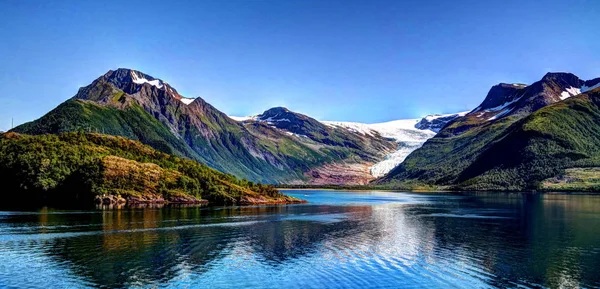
{"x": 399, "y": 130}
{"x": 295, "y": 134}
{"x": 357, "y": 127}
{"x": 242, "y": 118}
{"x": 571, "y": 91}
{"x": 270, "y": 119}
{"x": 187, "y": 101}
{"x": 140, "y": 80}
{"x": 432, "y": 117}
{"x": 502, "y": 106}
{"x": 256, "y": 118}
{"x": 504, "y": 112}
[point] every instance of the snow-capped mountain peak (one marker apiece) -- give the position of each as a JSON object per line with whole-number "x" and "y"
{"x": 140, "y": 79}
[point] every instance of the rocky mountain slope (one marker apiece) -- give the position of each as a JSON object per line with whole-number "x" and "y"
{"x": 409, "y": 134}
{"x": 277, "y": 146}
{"x": 517, "y": 137}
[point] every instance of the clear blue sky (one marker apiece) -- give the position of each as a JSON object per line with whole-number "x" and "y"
{"x": 365, "y": 61}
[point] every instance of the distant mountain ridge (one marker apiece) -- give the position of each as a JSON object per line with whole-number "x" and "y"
{"x": 278, "y": 146}
{"x": 436, "y": 122}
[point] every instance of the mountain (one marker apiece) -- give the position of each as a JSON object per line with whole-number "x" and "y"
{"x": 79, "y": 168}
{"x": 365, "y": 148}
{"x": 277, "y": 146}
{"x": 436, "y": 122}
{"x": 517, "y": 137}
{"x": 403, "y": 133}
{"x": 406, "y": 133}
{"x": 409, "y": 135}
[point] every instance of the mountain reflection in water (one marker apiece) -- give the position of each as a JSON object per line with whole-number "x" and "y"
{"x": 338, "y": 240}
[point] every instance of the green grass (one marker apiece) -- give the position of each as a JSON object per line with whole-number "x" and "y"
{"x": 574, "y": 179}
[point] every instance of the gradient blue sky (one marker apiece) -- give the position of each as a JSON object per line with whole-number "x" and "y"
{"x": 367, "y": 61}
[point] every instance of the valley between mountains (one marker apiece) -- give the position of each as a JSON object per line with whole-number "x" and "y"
{"x": 278, "y": 146}
{"x": 545, "y": 135}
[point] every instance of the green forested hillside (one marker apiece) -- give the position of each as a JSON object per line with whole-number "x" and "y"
{"x": 542, "y": 145}
{"x": 132, "y": 122}
{"x": 77, "y": 167}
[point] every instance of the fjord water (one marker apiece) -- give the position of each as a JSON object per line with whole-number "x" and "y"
{"x": 338, "y": 240}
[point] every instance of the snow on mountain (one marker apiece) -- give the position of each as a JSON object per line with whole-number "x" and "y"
{"x": 242, "y": 118}
{"x": 186, "y": 100}
{"x": 141, "y": 80}
{"x": 272, "y": 119}
{"x": 357, "y": 127}
{"x": 392, "y": 160}
{"x": 571, "y": 91}
{"x": 499, "y": 107}
{"x": 399, "y": 130}
{"x": 436, "y": 122}
{"x": 404, "y": 132}
{"x": 433, "y": 117}
{"x": 501, "y": 114}
{"x": 272, "y": 115}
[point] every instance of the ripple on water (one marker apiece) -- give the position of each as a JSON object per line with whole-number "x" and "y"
{"x": 339, "y": 240}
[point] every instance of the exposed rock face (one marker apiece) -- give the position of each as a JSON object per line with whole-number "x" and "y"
{"x": 501, "y": 94}
{"x": 109, "y": 200}
{"x": 341, "y": 174}
{"x": 261, "y": 200}
{"x": 147, "y": 199}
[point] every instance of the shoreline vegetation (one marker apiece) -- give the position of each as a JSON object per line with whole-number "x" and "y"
{"x": 77, "y": 168}
{"x": 570, "y": 182}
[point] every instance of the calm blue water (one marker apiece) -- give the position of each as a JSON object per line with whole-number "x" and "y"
{"x": 338, "y": 240}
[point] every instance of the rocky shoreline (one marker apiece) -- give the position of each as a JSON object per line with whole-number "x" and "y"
{"x": 136, "y": 200}
{"x": 118, "y": 200}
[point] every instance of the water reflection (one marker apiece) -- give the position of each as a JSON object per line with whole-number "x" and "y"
{"x": 346, "y": 240}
